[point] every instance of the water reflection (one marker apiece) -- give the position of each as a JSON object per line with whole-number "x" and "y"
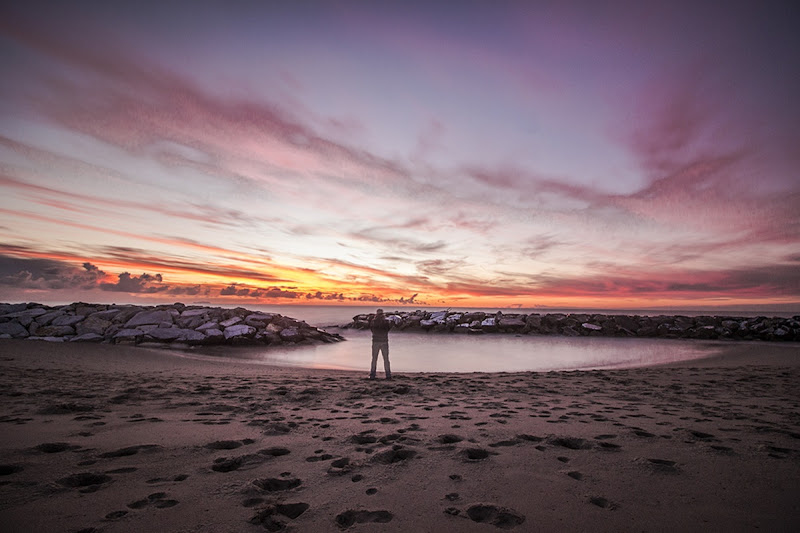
{"x": 420, "y": 352}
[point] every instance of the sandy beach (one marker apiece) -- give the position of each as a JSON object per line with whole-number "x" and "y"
{"x": 113, "y": 438}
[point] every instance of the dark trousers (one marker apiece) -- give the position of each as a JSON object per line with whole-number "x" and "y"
{"x": 384, "y": 348}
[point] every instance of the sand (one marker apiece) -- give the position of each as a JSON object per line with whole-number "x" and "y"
{"x": 112, "y": 438}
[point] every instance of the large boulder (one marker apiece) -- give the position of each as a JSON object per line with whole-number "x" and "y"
{"x": 47, "y": 318}
{"x": 156, "y": 316}
{"x": 27, "y": 316}
{"x": 511, "y": 323}
{"x": 194, "y": 312}
{"x": 93, "y": 324}
{"x": 259, "y": 320}
{"x": 166, "y": 334}
{"x": 55, "y": 331}
{"x": 66, "y": 320}
{"x": 14, "y": 329}
{"x": 213, "y": 336}
{"x": 230, "y": 322}
{"x": 239, "y": 330}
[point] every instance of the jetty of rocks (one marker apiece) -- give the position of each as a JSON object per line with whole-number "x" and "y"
{"x": 175, "y": 324}
{"x": 593, "y": 325}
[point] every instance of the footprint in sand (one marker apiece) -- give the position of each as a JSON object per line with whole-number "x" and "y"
{"x": 115, "y": 515}
{"x": 603, "y": 503}
{"x": 497, "y": 516}
{"x": 125, "y": 470}
{"x": 130, "y": 450}
{"x": 7, "y": 470}
{"x": 55, "y": 447}
{"x": 85, "y": 481}
{"x": 157, "y": 500}
{"x": 574, "y": 474}
{"x": 179, "y": 477}
{"x": 224, "y": 445}
{"x": 272, "y": 484}
{"x": 351, "y": 517}
{"x": 571, "y": 443}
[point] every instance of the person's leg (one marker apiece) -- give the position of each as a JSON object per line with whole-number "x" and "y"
{"x": 373, "y": 367}
{"x": 386, "y": 368}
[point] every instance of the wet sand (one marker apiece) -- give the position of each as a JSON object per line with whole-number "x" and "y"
{"x": 113, "y": 438}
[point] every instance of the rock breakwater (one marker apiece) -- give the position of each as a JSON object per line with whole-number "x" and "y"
{"x": 175, "y": 324}
{"x": 593, "y": 325}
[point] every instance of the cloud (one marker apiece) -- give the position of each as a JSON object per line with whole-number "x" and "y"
{"x": 47, "y": 274}
{"x": 145, "y": 283}
{"x": 235, "y": 289}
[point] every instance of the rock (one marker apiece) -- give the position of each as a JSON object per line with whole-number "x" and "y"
{"x": 191, "y": 336}
{"x": 489, "y": 324}
{"x": 168, "y": 334}
{"x": 25, "y": 318}
{"x": 14, "y": 330}
{"x": 47, "y": 339}
{"x": 149, "y": 317}
{"x": 93, "y": 324}
{"x": 511, "y": 323}
{"x": 240, "y": 330}
{"x": 12, "y": 308}
{"x": 85, "y": 310}
{"x": 291, "y": 335}
{"x": 266, "y": 337}
{"x": 190, "y": 322}
{"x": 88, "y": 337}
{"x": 213, "y": 335}
{"x": 128, "y": 336}
{"x": 592, "y": 327}
{"x": 26, "y": 313}
{"x": 259, "y": 320}
{"x": 569, "y": 332}
{"x": 108, "y": 314}
{"x": 230, "y": 322}
{"x": 194, "y": 312}
{"x": 207, "y": 325}
{"x": 47, "y": 318}
{"x": 55, "y": 331}
{"x": 439, "y": 316}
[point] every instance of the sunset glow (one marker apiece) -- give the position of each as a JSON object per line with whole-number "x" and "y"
{"x": 499, "y": 154}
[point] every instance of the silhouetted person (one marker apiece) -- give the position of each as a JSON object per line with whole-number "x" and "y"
{"x": 380, "y": 343}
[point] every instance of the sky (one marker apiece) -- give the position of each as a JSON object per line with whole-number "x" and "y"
{"x": 580, "y": 154}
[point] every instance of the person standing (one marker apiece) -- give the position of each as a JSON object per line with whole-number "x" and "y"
{"x": 380, "y": 343}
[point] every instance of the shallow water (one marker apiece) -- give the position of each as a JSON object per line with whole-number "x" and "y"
{"x": 421, "y": 352}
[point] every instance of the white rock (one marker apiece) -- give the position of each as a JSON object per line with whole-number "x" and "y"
{"x": 592, "y": 327}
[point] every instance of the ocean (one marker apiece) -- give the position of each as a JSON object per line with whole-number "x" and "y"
{"x": 423, "y": 352}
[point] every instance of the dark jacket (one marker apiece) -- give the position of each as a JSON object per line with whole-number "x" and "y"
{"x": 380, "y": 328}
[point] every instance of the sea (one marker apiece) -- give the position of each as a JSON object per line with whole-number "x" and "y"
{"x": 437, "y": 352}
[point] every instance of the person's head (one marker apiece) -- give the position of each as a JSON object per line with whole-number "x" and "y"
{"x": 379, "y": 312}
